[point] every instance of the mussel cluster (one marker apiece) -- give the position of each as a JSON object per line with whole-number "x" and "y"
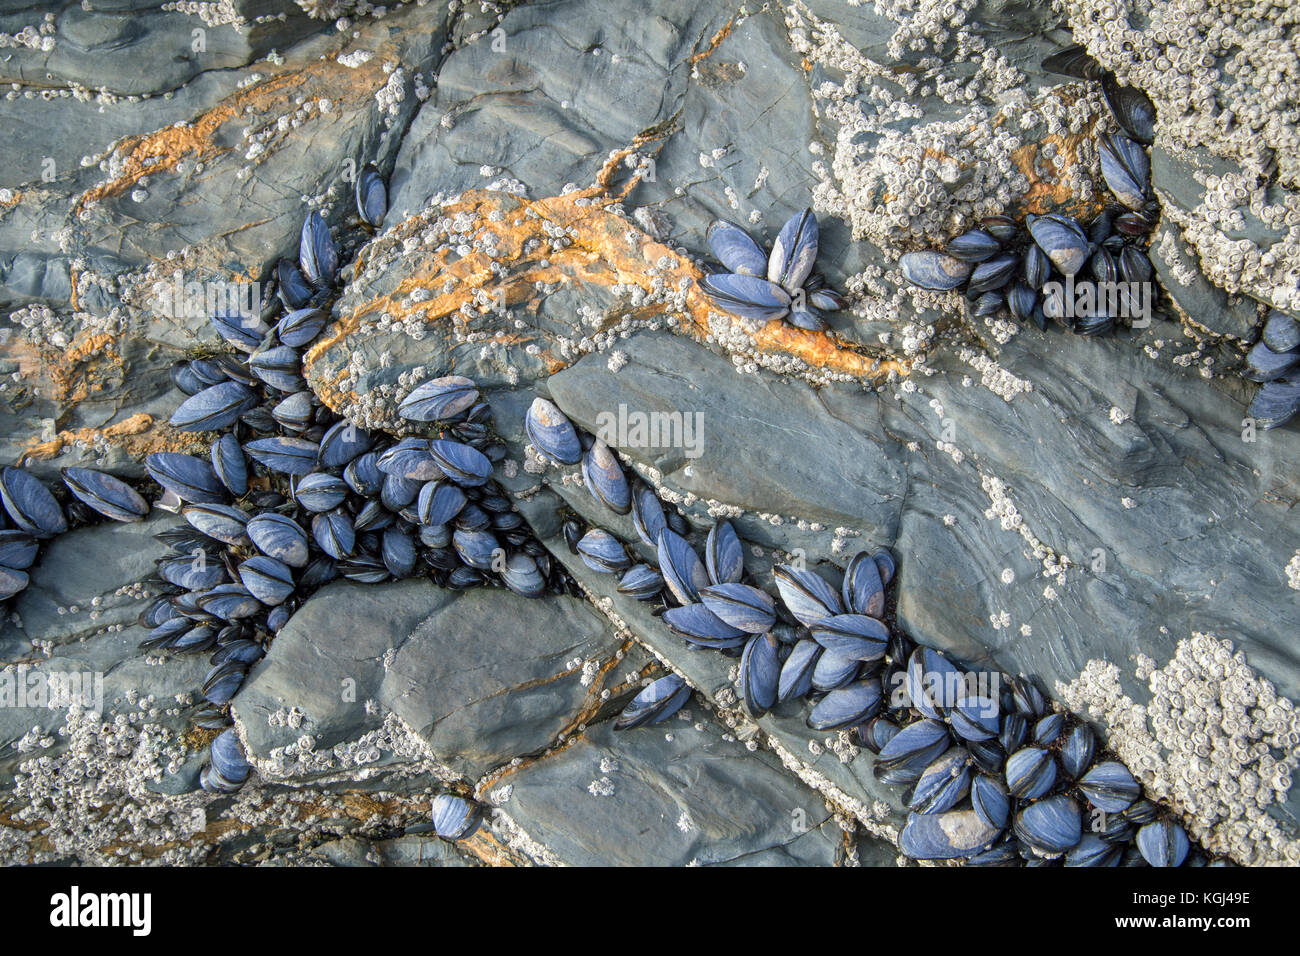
{"x": 780, "y": 285}
{"x": 1275, "y": 361}
{"x": 995, "y": 777}
{"x": 292, "y": 496}
{"x": 37, "y": 516}
{"x": 1004, "y": 267}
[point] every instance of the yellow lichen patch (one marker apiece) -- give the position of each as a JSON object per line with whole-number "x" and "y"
{"x": 138, "y": 436}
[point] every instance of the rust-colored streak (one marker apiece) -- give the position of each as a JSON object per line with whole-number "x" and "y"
{"x": 715, "y": 41}
{"x": 138, "y": 436}
{"x": 1046, "y": 195}
{"x": 605, "y": 250}
{"x": 148, "y": 154}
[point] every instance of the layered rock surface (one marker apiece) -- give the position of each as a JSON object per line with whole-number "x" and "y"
{"x": 1051, "y": 500}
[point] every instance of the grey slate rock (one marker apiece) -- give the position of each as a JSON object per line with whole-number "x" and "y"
{"x": 640, "y": 799}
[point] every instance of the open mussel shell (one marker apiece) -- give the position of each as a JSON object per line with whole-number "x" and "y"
{"x": 911, "y": 750}
{"x": 854, "y": 636}
{"x": 294, "y": 291}
{"x": 278, "y": 367}
{"x": 289, "y": 456}
{"x": 747, "y": 296}
{"x": 1163, "y": 843}
{"x": 186, "y": 476}
{"x": 724, "y": 559}
{"x": 681, "y": 567}
{"x": 603, "y": 552}
{"x": 1126, "y": 169}
{"x": 223, "y": 682}
{"x": 318, "y": 256}
{"x": 641, "y": 582}
{"x": 223, "y": 523}
{"x": 454, "y": 817}
{"x": 735, "y": 249}
{"x": 300, "y": 326}
{"x": 933, "y": 684}
{"x": 647, "y": 515}
{"x": 655, "y": 704}
{"x": 244, "y": 332}
{"x": 1026, "y": 697}
{"x": 478, "y": 549}
{"x": 794, "y": 252}
{"x": 864, "y": 589}
{"x": 806, "y": 594}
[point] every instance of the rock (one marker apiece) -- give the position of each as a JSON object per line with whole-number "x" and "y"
{"x": 457, "y": 668}
{"x": 670, "y": 795}
{"x": 1053, "y": 502}
{"x": 1194, "y": 297}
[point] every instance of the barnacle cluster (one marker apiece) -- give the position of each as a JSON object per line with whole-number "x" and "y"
{"x": 1215, "y": 738}
{"x": 1224, "y": 80}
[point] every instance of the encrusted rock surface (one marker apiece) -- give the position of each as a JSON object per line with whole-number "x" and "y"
{"x": 1092, "y": 513}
